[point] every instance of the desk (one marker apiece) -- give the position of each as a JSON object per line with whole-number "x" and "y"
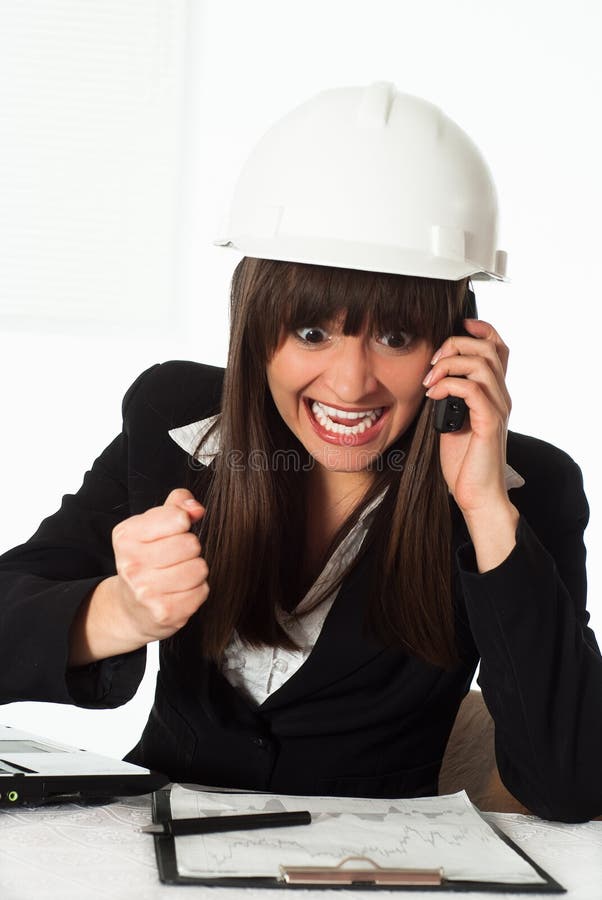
{"x": 82, "y": 853}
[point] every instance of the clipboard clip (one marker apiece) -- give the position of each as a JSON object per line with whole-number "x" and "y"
{"x": 374, "y": 874}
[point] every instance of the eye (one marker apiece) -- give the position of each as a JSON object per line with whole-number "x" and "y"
{"x": 396, "y": 340}
{"x": 311, "y": 335}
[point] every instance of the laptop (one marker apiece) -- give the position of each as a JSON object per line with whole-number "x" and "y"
{"x": 34, "y": 769}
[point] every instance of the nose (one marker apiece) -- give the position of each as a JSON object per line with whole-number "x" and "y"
{"x": 350, "y": 375}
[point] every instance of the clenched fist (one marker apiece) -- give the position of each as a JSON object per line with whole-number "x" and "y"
{"x": 161, "y": 581}
{"x": 162, "y": 577}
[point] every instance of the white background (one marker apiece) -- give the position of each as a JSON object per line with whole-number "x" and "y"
{"x": 117, "y": 163}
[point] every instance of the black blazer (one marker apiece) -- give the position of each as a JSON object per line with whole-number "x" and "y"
{"x": 357, "y": 718}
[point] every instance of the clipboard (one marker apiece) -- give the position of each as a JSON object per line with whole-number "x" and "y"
{"x": 351, "y": 874}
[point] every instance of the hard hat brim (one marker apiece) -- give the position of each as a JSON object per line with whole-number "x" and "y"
{"x": 351, "y": 255}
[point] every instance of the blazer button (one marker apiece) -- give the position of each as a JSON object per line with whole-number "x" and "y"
{"x": 261, "y": 743}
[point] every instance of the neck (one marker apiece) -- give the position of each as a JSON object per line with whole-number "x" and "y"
{"x": 336, "y": 493}
{"x": 330, "y": 498}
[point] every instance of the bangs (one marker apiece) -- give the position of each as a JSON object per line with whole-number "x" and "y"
{"x": 288, "y": 296}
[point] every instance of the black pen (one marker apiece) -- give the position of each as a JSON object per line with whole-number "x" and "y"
{"x": 212, "y": 824}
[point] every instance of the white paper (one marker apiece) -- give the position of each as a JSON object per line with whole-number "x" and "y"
{"x": 428, "y": 832}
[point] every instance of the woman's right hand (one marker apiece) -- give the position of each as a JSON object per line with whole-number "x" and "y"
{"x": 161, "y": 581}
{"x": 161, "y": 575}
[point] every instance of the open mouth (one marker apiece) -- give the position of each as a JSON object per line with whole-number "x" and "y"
{"x": 348, "y": 426}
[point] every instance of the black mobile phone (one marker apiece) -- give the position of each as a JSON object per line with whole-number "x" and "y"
{"x": 450, "y": 412}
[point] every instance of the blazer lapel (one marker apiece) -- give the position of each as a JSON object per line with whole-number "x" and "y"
{"x": 343, "y": 645}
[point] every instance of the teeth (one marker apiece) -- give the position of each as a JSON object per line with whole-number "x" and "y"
{"x": 343, "y": 414}
{"x": 322, "y": 412}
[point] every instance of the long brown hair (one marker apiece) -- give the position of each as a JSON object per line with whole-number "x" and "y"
{"x": 253, "y": 491}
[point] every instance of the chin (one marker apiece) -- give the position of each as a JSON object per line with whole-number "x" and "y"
{"x": 345, "y": 459}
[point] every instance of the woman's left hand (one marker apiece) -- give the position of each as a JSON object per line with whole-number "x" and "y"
{"x": 473, "y": 459}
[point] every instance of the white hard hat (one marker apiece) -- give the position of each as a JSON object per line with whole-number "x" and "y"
{"x": 369, "y": 178}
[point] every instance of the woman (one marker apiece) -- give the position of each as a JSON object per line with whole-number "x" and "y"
{"x": 360, "y": 564}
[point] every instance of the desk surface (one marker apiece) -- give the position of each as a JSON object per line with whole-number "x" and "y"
{"x": 82, "y": 853}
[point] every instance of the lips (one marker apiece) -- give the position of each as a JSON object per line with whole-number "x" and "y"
{"x": 349, "y": 427}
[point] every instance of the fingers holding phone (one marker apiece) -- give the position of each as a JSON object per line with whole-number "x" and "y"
{"x": 472, "y": 368}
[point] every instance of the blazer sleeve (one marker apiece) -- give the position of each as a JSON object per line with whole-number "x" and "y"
{"x": 44, "y": 581}
{"x": 541, "y": 669}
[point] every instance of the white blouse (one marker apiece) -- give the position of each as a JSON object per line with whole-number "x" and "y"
{"x": 258, "y": 672}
